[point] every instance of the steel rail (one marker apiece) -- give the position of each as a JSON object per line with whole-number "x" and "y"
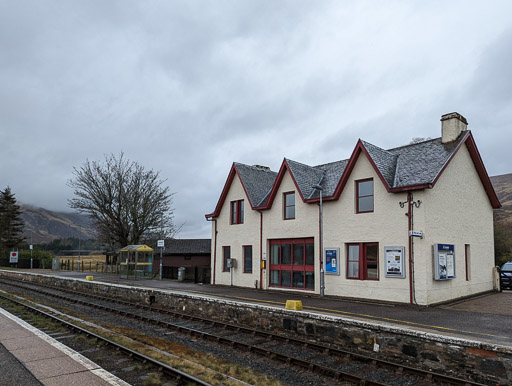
{"x": 337, "y": 375}
{"x": 322, "y": 348}
{"x": 179, "y": 376}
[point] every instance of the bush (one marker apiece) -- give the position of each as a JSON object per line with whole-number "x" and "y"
{"x": 40, "y": 258}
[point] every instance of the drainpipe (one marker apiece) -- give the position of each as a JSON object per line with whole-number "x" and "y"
{"x": 410, "y": 215}
{"x": 261, "y": 248}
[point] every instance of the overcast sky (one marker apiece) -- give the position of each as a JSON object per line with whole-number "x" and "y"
{"x": 188, "y": 87}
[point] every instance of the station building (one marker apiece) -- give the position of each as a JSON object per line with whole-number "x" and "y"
{"x": 413, "y": 224}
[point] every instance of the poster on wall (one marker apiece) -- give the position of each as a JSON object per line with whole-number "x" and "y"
{"x": 444, "y": 261}
{"x": 332, "y": 260}
{"x": 394, "y": 258}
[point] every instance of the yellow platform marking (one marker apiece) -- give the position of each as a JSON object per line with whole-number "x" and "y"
{"x": 354, "y": 314}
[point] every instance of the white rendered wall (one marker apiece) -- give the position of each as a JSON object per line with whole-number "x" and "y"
{"x": 387, "y": 225}
{"x": 456, "y": 211}
{"x": 236, "y": 236}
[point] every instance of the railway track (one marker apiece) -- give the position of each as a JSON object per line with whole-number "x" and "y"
{"x": 327, "y": 360}
{"x": 171, "y": 374}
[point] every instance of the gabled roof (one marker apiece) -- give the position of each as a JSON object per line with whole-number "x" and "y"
{"x": 410, "y": 167}
{"x": 188, "y": 247}
{"x": 256, "y": 182}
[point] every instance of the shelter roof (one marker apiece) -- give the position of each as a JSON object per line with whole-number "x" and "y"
{"x": 138, "y": 248}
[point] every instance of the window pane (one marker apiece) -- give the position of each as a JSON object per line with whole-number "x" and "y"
{"x": 310, "y": 254}
{"x": 372, "y": 268}
{"x": 233, "y": 212}
{"x": 274, "y": 254}
{"x": 290, "y": 199}
{"x": 286, "y": 278}
{"x": 289, "y": 205}
{"x": 353, "y": 269}
{"x": 298, "y": 279}
{"x": 365, "y": 204}
{"x": 241, "y": 209}
{"x": 353, "y": 252}
{"x": 274, "y": 277}
{"x": 286, "y": 254}
{"x": 227, "y": 255}
{"x": 310, "y": 280}
{"x": 365, "y": 188}
{"x": 248, "y": 259}
{"x": 298, "y": 254}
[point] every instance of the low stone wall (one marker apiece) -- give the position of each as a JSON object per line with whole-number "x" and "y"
{"x": 472, "y": 360}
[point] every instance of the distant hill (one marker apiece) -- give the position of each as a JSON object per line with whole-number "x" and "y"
{"x": 47, "y": 225}
{"x": 503, "y": 187}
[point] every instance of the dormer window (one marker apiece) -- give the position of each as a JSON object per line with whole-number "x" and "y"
{"x": 237, "y": 212}
{"x": 289, "y": 205}
{"x": 364, "y": 196}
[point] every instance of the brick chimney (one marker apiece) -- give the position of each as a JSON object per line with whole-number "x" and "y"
{"x": 451, "y": 126}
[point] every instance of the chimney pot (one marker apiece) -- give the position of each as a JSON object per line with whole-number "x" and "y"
{"x": 452, "y": 125}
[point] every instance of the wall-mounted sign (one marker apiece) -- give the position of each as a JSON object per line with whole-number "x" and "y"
{"x": 13, "y": 257}
{"x": 332, "y": 261}
{"x": 416, "y": 234}
{"x": 394, "y": 258}
{"x": 444, "y": 261}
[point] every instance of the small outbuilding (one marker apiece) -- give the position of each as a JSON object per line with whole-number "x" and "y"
{"x": 136, "y": 262}
{"x": 192, "y": 254}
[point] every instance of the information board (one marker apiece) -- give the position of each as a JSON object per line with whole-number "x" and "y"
{"x": 394, "y": 258}
{"x": 444, "y": 261}
{"x": 332, "y": 261}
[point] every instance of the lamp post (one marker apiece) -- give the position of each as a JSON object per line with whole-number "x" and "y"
{"x": 79, "y": 247}
{"x": 31, "y": 247}
{"x": 322, "y": 272}
{"x": 161, "y": 242}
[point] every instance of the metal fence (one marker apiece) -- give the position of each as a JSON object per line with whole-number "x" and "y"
{"x": 88, "y": 266}
{"x": 505, "y": 279}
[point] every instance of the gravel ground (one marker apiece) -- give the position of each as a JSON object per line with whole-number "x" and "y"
{"x": 276, "y": 370}
{"x": 281, "y": 372}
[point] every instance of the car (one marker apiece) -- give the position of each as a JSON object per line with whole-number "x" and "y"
{"x": 506, "y": 275}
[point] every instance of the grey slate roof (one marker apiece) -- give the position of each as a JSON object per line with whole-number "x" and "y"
{"x": 332, "y": 174}
{"x": 420, "y": 163}
{"x": 409, "y": 165}
{"x": 384, "y": 160}
{"x": 305, "y": 176}
{"x": 258, "y": 182}
{"x": 188, "y": 247}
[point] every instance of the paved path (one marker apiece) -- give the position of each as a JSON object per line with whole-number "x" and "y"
{"x": 30, "y": 357}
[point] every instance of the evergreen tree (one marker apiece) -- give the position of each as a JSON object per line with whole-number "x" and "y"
{"x": 11, "y": 223}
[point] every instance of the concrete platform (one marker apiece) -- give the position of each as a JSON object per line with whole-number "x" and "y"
{"x": 31, "y": 357}
{"x": 487, "y": 318}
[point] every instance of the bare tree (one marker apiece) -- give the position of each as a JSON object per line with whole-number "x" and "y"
{"x": 128, "y": 204}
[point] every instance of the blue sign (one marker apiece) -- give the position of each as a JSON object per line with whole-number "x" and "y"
{"x": 332, "y": 260}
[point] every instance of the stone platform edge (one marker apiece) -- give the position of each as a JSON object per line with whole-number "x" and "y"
{"x": 81, "y": 360}
{"x": 464, "y": 358}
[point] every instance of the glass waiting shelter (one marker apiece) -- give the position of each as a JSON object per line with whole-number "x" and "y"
{"x": 136, "y": 262}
